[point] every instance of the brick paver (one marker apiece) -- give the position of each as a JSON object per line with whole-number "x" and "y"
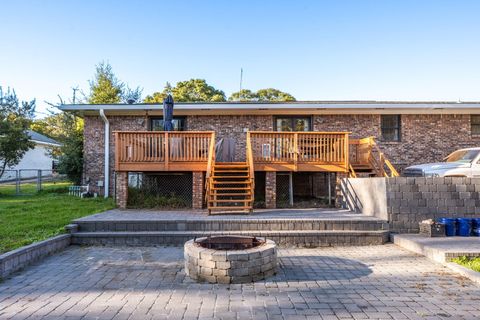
{"x": 379, "y": 282}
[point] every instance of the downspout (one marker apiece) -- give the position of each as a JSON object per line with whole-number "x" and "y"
{"x": 107, "y": 153}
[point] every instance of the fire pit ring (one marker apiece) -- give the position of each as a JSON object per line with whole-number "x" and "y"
{"x": 230, "y": 259}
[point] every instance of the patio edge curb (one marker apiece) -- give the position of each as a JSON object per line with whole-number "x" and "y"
{"x": 17, "y": 259}
{"x": 464, "y": 271}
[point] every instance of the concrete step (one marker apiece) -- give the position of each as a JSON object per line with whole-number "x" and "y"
{"x": 225, "y": 224}
{"x": 304, "y": 238}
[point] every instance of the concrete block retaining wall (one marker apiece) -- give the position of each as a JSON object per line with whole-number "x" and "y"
{"x": 404, "y": 202}
{"x": 18, "y": 259}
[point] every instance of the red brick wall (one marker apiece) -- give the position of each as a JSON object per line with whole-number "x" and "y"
{"x": 231, "y": 127}
{"x": 121, "y": 196}
{"x": 93, "y": 151}
{"x": 198, "y": 187}
{"x": 425, "y": 138}
{"x": 270, "y": 190}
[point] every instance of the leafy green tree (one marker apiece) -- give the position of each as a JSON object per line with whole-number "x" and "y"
{"x": 271, "y": 94}
{"x": 70, "y": 134}
{"x": 243, "y": 95}
{"x": 105, "y": 88}
{"x": 193, "y": 90}
{"x": 15, "y": 119}
{"x": 268, "y": 94}
{"x": 66, "y": 128}
{"x": 158, "y": 97}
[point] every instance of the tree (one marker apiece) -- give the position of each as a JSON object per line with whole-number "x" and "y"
{"x": 271, "y": 94}
{"x": 243, "y": 95}
{"x": 193, "y": 90}
{"x": 66, "y": 128}
{"x": 105, "y": 88}
{"x": 70, "y": 161}
{"x": 268, "y": 94}
{"x": 158, "y": 97}
{"x": 15, "y": 119}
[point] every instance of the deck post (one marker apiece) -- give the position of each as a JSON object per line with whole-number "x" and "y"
{"x": 167, "y": 150}
{"x": 197, "y": 190}
{"x": 290, "y": 188}
{"x": 329, "y": 174}
{"x": 270, "y": 189}
{"x": 121, "y": 192}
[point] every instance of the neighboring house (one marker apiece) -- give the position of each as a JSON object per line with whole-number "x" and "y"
{"x": 34, "y": 159}
{"x": 281, "y": 151}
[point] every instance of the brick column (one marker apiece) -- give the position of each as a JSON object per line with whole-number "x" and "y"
{"x": 198, "y": 186}
{"x": 270, "y": 190}
{"x": 122, "y": 189}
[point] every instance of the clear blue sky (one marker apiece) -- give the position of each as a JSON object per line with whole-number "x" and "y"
{"x": 315, "y": 50}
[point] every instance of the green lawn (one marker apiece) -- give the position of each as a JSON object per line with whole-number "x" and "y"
{"x": 472, "y": 263}
{"x": 28, "y": 218}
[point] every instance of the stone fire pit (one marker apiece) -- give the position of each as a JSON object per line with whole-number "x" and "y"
{"x": 230, "y": 259}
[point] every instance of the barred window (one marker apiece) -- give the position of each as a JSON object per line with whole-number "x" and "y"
{"x": 391, "y": 127}
{"x": 475, "y": 123}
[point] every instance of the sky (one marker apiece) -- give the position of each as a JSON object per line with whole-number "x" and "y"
{"x": 315, "y": 50}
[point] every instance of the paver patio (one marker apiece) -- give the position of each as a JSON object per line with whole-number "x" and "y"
{"x": 378, "y": 282}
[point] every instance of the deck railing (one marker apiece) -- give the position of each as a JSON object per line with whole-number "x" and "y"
{"x": 158, "y": 149}
{"x": 307, "y": 149}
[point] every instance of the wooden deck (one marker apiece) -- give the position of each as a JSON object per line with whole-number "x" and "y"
{"x": 265, "y": 151}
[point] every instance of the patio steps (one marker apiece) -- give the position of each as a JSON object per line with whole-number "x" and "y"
{"x": 300, "y": 232}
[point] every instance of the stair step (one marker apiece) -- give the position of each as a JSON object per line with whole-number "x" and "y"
{"x": 223, "y": 223}
{"x": 228, "y": 188}
{"x": 232, "y": 177}
{"x": 231, "y": 194}
{"x": 229, "y": 200}
{"x": 227, "y": 207}
{"x": 230, "y": 167}
{"x": 283, "y": 238}
{"x": 231, "y": 182}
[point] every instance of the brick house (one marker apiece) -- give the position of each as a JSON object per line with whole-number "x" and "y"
{"x": 231, "y": 153}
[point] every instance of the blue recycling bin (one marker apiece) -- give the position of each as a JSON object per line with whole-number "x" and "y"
{"x": 476, "y": 227}
{"x": 450, "y": 226}
{"x": 464, "y": 227}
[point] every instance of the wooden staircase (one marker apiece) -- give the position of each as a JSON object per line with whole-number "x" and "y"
{"x": 230, "y": 188}
{"x": 367, "y": 160}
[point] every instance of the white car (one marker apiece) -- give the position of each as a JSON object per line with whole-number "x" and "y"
{"x": 461, "y": 163}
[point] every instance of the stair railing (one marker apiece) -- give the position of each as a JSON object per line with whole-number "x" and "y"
{"x": 251, "y": 170}
{"x": 366, "y": 152}
{"x": 210, "y": 167}
{"x": 380, "y": 162}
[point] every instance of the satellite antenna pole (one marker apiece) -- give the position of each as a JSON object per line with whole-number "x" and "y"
{"x": 74, "y": 94}
{"x": 241, "y": 79}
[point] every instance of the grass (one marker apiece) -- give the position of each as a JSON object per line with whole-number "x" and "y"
{"x": 25, "y": 219}
{"x": 471, "y": 263}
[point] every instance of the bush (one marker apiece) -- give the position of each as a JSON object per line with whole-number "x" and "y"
{"x": 469, "y": 262}
{"x": 142, "y": 198}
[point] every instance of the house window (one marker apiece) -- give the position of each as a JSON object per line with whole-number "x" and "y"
{"x": 475, "y": 123}
{"x": 156, "y": 124}
{"x": 292, "y": 124}
{"x": 391, "y": 127}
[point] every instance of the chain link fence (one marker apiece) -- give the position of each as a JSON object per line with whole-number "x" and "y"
{"x": 309, "y": 189}
{"x": 29, "y": 181}
{"x": 160, "y": 190}
{"x": 283, "y": 190}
